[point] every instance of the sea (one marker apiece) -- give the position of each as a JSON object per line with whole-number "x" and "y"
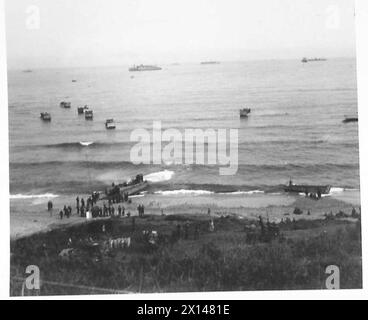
{"x": 294, "y": 131}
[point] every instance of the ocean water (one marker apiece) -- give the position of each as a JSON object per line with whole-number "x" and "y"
{"x": 295, "y": 129}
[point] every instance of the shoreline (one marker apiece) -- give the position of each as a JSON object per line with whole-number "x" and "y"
{"x": 272, "y": 206}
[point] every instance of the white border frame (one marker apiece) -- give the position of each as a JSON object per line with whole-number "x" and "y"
{"x": 362, "y": 71}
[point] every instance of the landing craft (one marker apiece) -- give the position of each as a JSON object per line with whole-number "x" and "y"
{"x": 64, "y": 104}
{"x": 88, "y": 114}
{"x": 82, "y": 110}
{"x": 45, "y": 116}
{"x": 307, "y": 189}
{"x": 350, "y": 119}
{"x": 244, "y": 112}
{"x": 109, "y": 124}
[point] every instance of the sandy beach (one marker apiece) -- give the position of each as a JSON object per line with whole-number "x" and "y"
{"x": 30, "y": 216}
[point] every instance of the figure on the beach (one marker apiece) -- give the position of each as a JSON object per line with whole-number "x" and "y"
{"x": 61, "y": 214}
{"x": 77, "y": 200}
{"x": 262, "y": 225}
{"x": 139, "y": 210}
{"x": 49, "y": 207}
{"x": 212, "y": 226}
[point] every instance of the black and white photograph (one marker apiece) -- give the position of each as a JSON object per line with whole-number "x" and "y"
{"x": 174, "y": 146}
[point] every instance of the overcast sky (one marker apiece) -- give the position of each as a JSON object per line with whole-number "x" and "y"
{"x": 72, "y": 33}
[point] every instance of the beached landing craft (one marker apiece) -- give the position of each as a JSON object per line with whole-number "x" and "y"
{"x": 133, "y": 187}
{"x": 109, "y": 124}
{"x": 307, "y": 189}
{"x": 64, "y": 104}
{"x": 244, "y": 112}
{"x": 45, "y": 116}
{"x": 88, "y": 114}
{"x": 143, "y": 67}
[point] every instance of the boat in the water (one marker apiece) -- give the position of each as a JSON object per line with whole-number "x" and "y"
{"x": 45, "y": 116}
{"x": 307, "y": 189}
{"x": 65, "y": 104}
{"x": 244, "y": 112}
{"x": 143, "y": 67}
{"x": 82, "y": 110}
{"x": 350, "y": 119}
{"x": 109, "y": 124}
{"x": 88, "y": 114}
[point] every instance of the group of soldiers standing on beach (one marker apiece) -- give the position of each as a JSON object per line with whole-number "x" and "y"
{"x": 84, "y": 207}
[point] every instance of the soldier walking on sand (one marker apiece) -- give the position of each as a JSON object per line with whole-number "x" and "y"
{"x": 77, "y": 200}
{"x": 49, "y": 207}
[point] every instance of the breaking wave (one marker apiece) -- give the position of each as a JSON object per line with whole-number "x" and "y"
{"x": 159, "y": 176}
{"x": 32, "y": 196}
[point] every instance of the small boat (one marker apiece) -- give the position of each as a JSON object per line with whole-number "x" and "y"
{"x": 109, "y": 124}
{"x": 244, "y": 112}
{"x": 45, "y": 116}
{"x": 307, "y": 189}
{"x": 88, "y": 115}
{"x": 65, "y": 104}
{"x": 74, "y": 80}
{"x": 350, "y": 119}
{"x": 82, "y": 110}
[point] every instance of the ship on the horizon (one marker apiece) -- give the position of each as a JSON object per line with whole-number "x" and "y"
{"x": 305, "y": 60}
{"x": 210, "y": 62}
{"x": 143, "y": 67}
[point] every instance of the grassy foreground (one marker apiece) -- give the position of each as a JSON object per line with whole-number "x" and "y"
{"x": 237, "y": 255}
